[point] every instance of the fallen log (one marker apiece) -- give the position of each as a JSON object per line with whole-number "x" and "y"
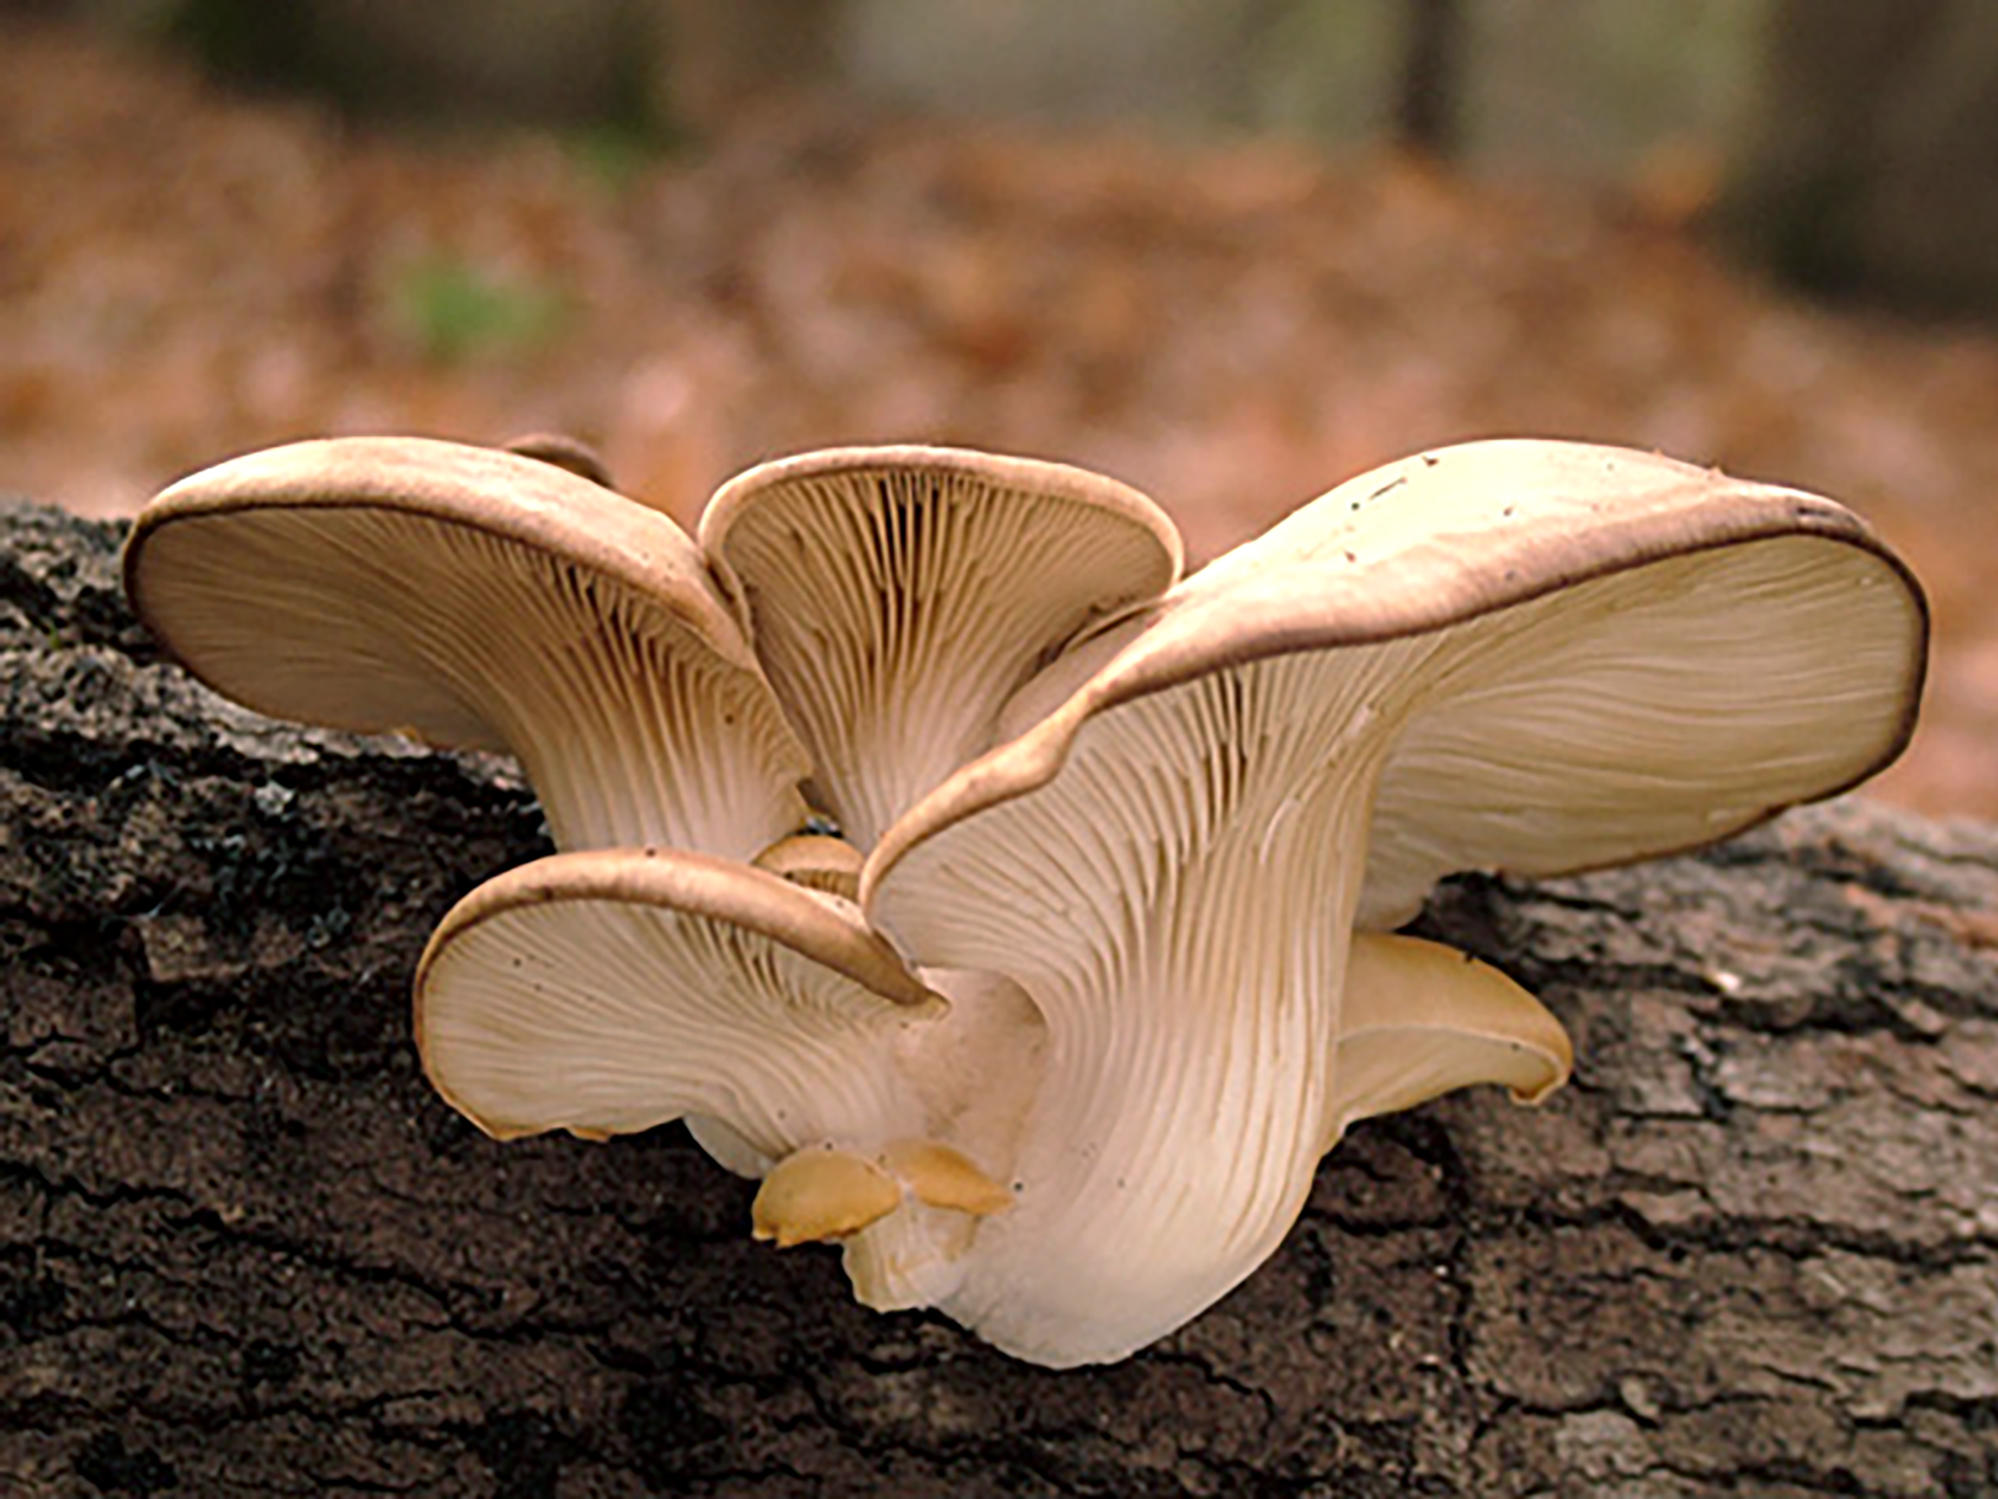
{"x": 244, "y": 1249}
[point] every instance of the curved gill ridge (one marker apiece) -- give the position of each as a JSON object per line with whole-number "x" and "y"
{"x": 1177, "y": 901}
{"x": 632, "y": 729}
{"x": 618, "y": 1016}
{"x": 893, "y": 625}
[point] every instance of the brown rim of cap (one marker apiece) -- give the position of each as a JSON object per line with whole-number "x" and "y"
{"x": 1038, "y": 475}
{"x": 1298, "y": 608}
{"x": 695, "y": 885}
{"x": 526, "y": 500}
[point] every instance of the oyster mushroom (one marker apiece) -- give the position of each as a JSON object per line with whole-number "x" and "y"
{"x": 478, "y": 599}
{"x": 1418, "y": 1020}
{"x": 899, "y": 595}
{"x": 1526, "y": 656}
{"x": 607, "y": 991}
{"x": 615, "y": 989}
{"x": 1128, "y": 849}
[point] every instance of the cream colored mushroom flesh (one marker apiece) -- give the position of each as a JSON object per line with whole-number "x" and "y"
{"x": 1054, "y": 1037}
{"x": 485, "y": 600}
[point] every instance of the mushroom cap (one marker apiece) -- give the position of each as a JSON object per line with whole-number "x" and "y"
{"x": 1419, "y": 1020}
{"x": 614, "y": 989}
{"x": 1528, "y": 656}
{"x": 819, "y": 1194}
{"x": 898, "y": 595}
{"x": 1575, "y": 656}
{"x": 477, "y": 599}
{"x": 1633, "y": 656}
{"x": 565, "y": 452}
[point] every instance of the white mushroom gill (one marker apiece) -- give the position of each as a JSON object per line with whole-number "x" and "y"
{"x": 609, "y": 992}
{"x": 1057, "y": 1046}
{"x": 1178, "y": 902}
{"x": 610, "y": 707}
{"x": 606, "y": 992}
{"x": 1641, "y": 713}
{"x": 897, "y": 596}
{"x": 500, "y": 604}
{"x": 1172, "y": 860}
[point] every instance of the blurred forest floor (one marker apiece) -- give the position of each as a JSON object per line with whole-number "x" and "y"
{"x": 185, "y": 274}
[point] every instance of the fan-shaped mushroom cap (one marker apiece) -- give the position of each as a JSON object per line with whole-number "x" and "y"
{"x": 1419, "y": 1020}
{"x": 484, "y": 600}
{"x": 898, "y": 595}
{"x": 1614, "y": 709}
{"x": 1172, "y": 860}
{"x": 613, "y": 990}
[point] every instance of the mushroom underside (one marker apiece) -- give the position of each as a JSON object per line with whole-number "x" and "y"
{"x": 1111, "y": 988}
{"x": 1174, "y": 875}
{"x": 478, "y": 600}
{"x": 607, "y": 992}
{"x": 898, "y": 596}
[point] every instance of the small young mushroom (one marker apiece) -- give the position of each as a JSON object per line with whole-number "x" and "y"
{"x": 1419, "y": 1020}
{"x": 1054, "y": 1037}
{"x": 823, "y": 1192}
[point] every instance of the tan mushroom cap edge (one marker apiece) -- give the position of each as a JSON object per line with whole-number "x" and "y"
{"x": 545, "y": 506}
{"x": 1306, "y": 587}
{"x": 751, "y": 901}
{"x": 1419, "y": 1019}
{"x": 898, "y": 595}
{"x": 1039, "y": 477}
{"x": 278, "y": 578}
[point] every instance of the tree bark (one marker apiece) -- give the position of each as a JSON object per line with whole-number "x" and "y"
{"x": 244, "y": 1250}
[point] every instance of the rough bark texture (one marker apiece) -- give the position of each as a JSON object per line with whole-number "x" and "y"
{"x": 244, "y": 1249}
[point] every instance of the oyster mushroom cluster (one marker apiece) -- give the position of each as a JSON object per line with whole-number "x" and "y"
{"x": 1053, "y": 1034}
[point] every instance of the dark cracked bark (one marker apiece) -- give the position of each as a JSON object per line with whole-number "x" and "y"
{"x": 244, "y": 1250}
